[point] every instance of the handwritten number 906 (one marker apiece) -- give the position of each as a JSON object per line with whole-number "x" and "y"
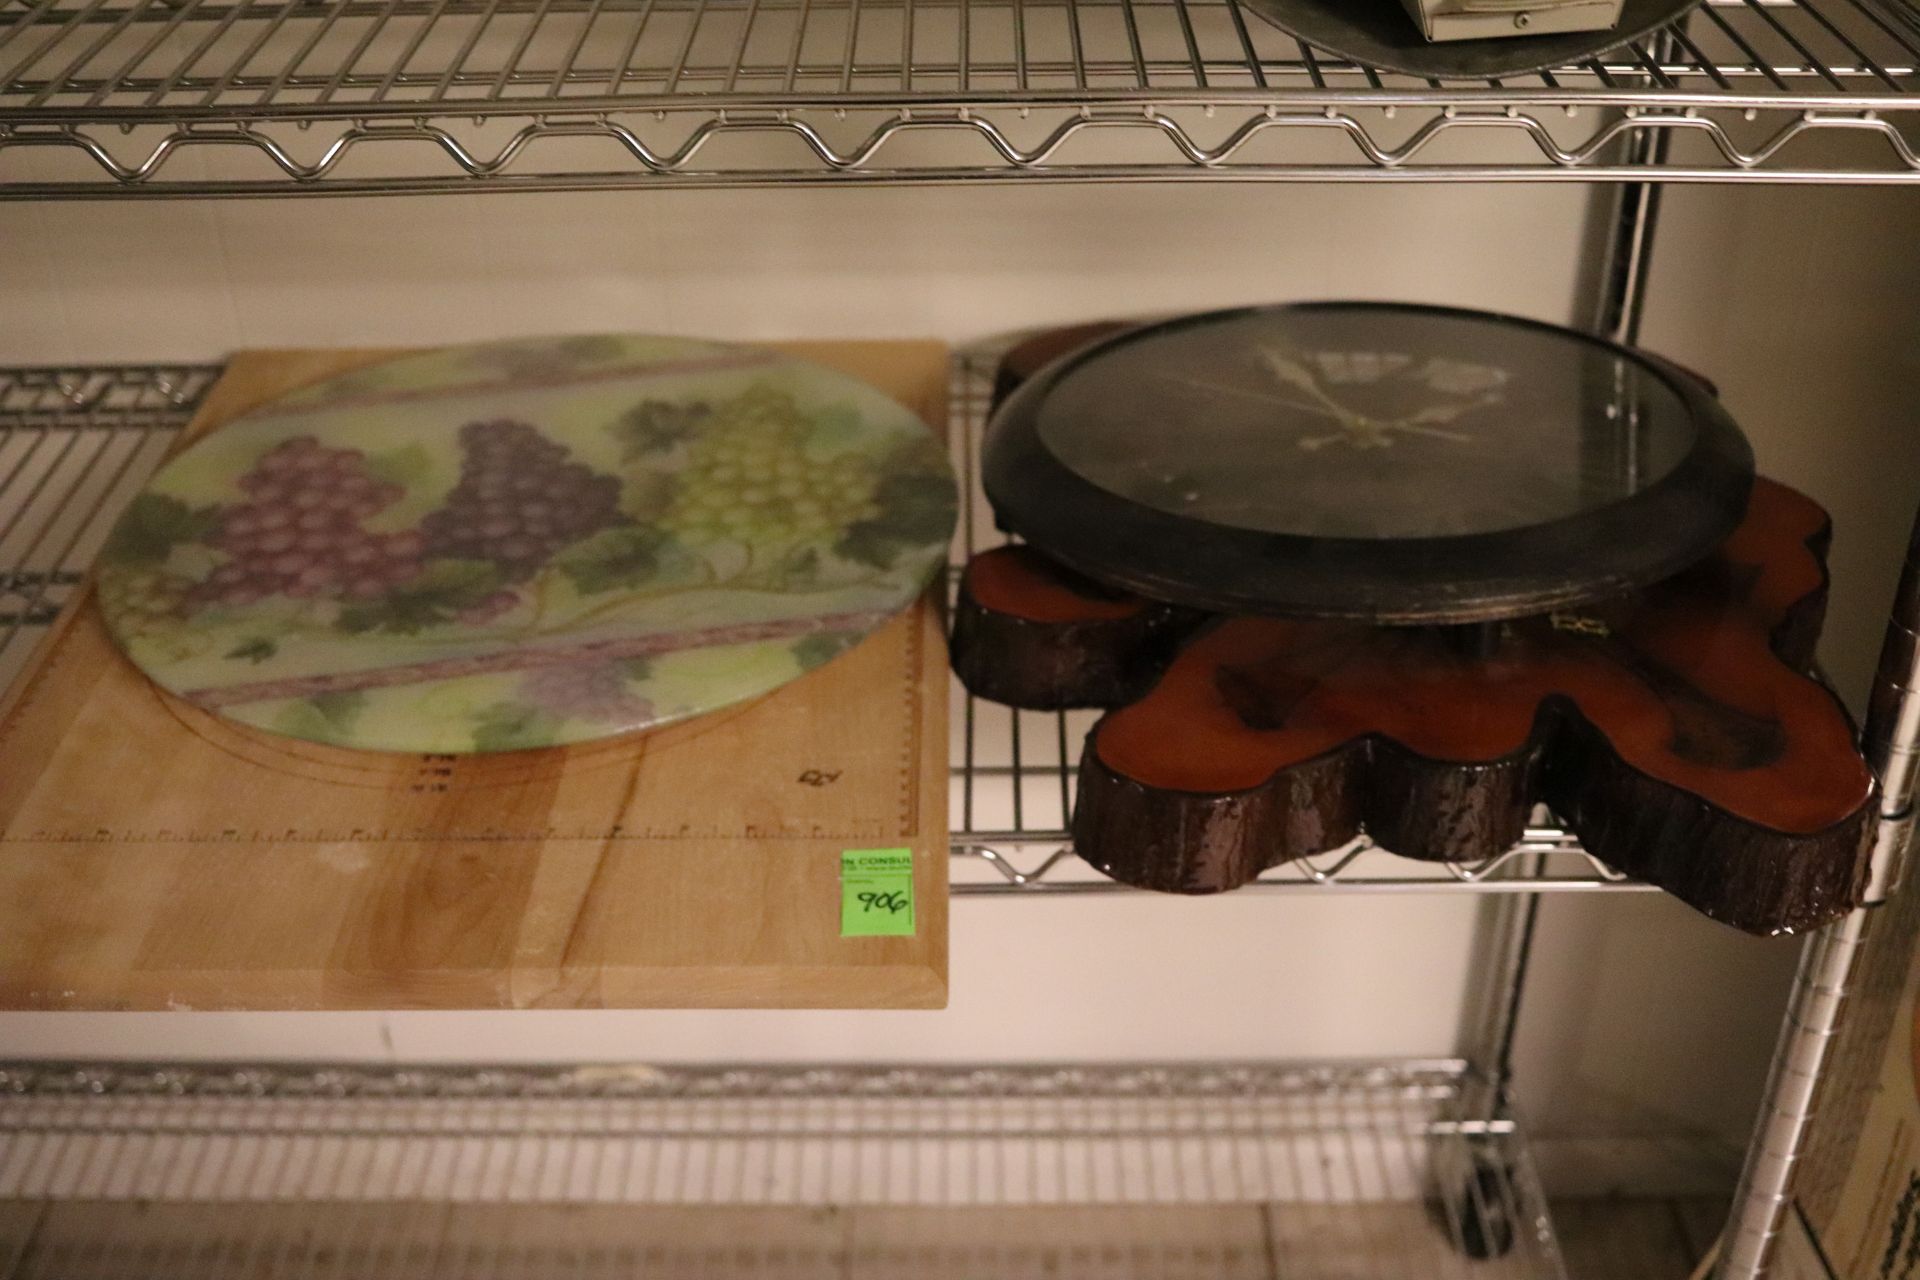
{"x": 891, "y": 902}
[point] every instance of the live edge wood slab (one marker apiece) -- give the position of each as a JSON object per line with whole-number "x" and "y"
{"x": 154, "y": 856}
{"x": 1674, "y": 730}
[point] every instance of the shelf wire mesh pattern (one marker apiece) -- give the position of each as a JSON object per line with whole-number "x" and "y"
{"x": 77, "y": 444}
{"x": 226, "y": 1144}
{"x": 1014, "y": 773}
{"x": 213, "y": 97}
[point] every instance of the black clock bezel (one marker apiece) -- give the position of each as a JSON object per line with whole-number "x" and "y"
{"x": 1479, "y": 577}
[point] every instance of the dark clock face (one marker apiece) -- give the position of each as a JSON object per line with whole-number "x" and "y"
{"x": 1364, "y": 423}
{"x": 1368, "y": 461}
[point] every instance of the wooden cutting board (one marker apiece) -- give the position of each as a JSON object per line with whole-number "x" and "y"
{"x": 154, "y": 856}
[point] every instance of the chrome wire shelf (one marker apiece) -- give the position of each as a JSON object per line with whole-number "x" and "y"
{"x": 352, "y": 1157}
{"x": 76, "y": 444}
{"x": 1547, "y": 860}
{"x": 261, "y": 97}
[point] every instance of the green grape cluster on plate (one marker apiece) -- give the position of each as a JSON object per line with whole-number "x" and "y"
{"x": 750, "y": 477}
{"x": 144, "y": 602}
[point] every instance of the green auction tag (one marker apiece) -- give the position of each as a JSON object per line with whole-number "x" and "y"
{"x": 876, "y": 893}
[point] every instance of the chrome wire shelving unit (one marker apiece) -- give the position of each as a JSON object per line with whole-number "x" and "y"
{"x": 110, "y": 1170}
{"x": 177, "y": 1170}
{"x": 185, "y": 1170}
{"x": 102, "y": 98}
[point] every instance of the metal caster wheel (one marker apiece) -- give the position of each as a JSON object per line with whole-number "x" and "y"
{"x": 1483, "y": 1218}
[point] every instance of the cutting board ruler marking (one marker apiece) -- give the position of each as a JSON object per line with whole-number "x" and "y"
{"x": 910, "y": 747}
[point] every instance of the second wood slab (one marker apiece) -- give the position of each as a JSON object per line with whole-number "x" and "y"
{"x": 155, "y": 856}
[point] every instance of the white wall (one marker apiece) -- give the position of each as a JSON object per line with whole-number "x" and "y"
{"x": 177, "y": 280}
{"x": 1804, "y": 304}
{"x": 1235, "y": 977}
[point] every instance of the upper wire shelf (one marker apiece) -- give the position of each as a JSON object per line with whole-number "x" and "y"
{"x": 256, "y": 97}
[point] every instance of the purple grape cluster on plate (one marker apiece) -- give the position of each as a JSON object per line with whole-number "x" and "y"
{"x": 519, "y": 499}
{"x": 300, "y": 532}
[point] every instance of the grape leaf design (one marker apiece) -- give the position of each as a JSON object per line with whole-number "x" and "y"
{"x": 533, "y": 361}
{"x": 649, "y": 495}
{"x": 513, "y": 726}
{"x": 405, "y": 467}
{"x": 324, "y": 717}
{"x": 822, "y": 647}
{"x": 838, "y": 426}
{"x": 585, "y": 690}
{"x": 916, "y": 501}
{"x": 344, "y": 386}
{"x": 655, "y": 426}
{"x": 340, "y": 706}
{"x": 800, "y": 569}
{"x": 592, "y": 348}
{"x": 438, "y": 595}
{"x": 625, "y": 556}
{"x": 153, "y": 524}
{"x": 258, "y": 649}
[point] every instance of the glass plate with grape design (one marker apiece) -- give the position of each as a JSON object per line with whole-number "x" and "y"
{"x": 1376, "y": 462}
{"x": 526, "y": 544}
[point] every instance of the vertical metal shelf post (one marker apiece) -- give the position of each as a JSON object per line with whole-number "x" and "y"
{"x": 1822, "y": 983}
{"x": 1892, "y": 745}
{"x": 1626, "y": 256}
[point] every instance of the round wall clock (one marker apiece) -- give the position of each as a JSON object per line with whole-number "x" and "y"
{"x": 1374, "y": 462}
{"x": 528, "y": 543}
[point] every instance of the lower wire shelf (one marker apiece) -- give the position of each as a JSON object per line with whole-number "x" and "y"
{"x": 1255, "y": 1169}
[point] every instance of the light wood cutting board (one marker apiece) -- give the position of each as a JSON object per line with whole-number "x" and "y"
{"x": 153, "y": 856}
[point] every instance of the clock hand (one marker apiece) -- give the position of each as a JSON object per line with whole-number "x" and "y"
{"x": 1356, "y": 429}
{"x": 1448, "y": 412}
{"x": 1438, "y": 433}
{"x": 1262, "y": 396}
{"x": 1291, "y": 370}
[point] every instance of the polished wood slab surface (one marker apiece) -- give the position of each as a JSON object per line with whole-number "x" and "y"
{"x": 1674, "y": 729}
